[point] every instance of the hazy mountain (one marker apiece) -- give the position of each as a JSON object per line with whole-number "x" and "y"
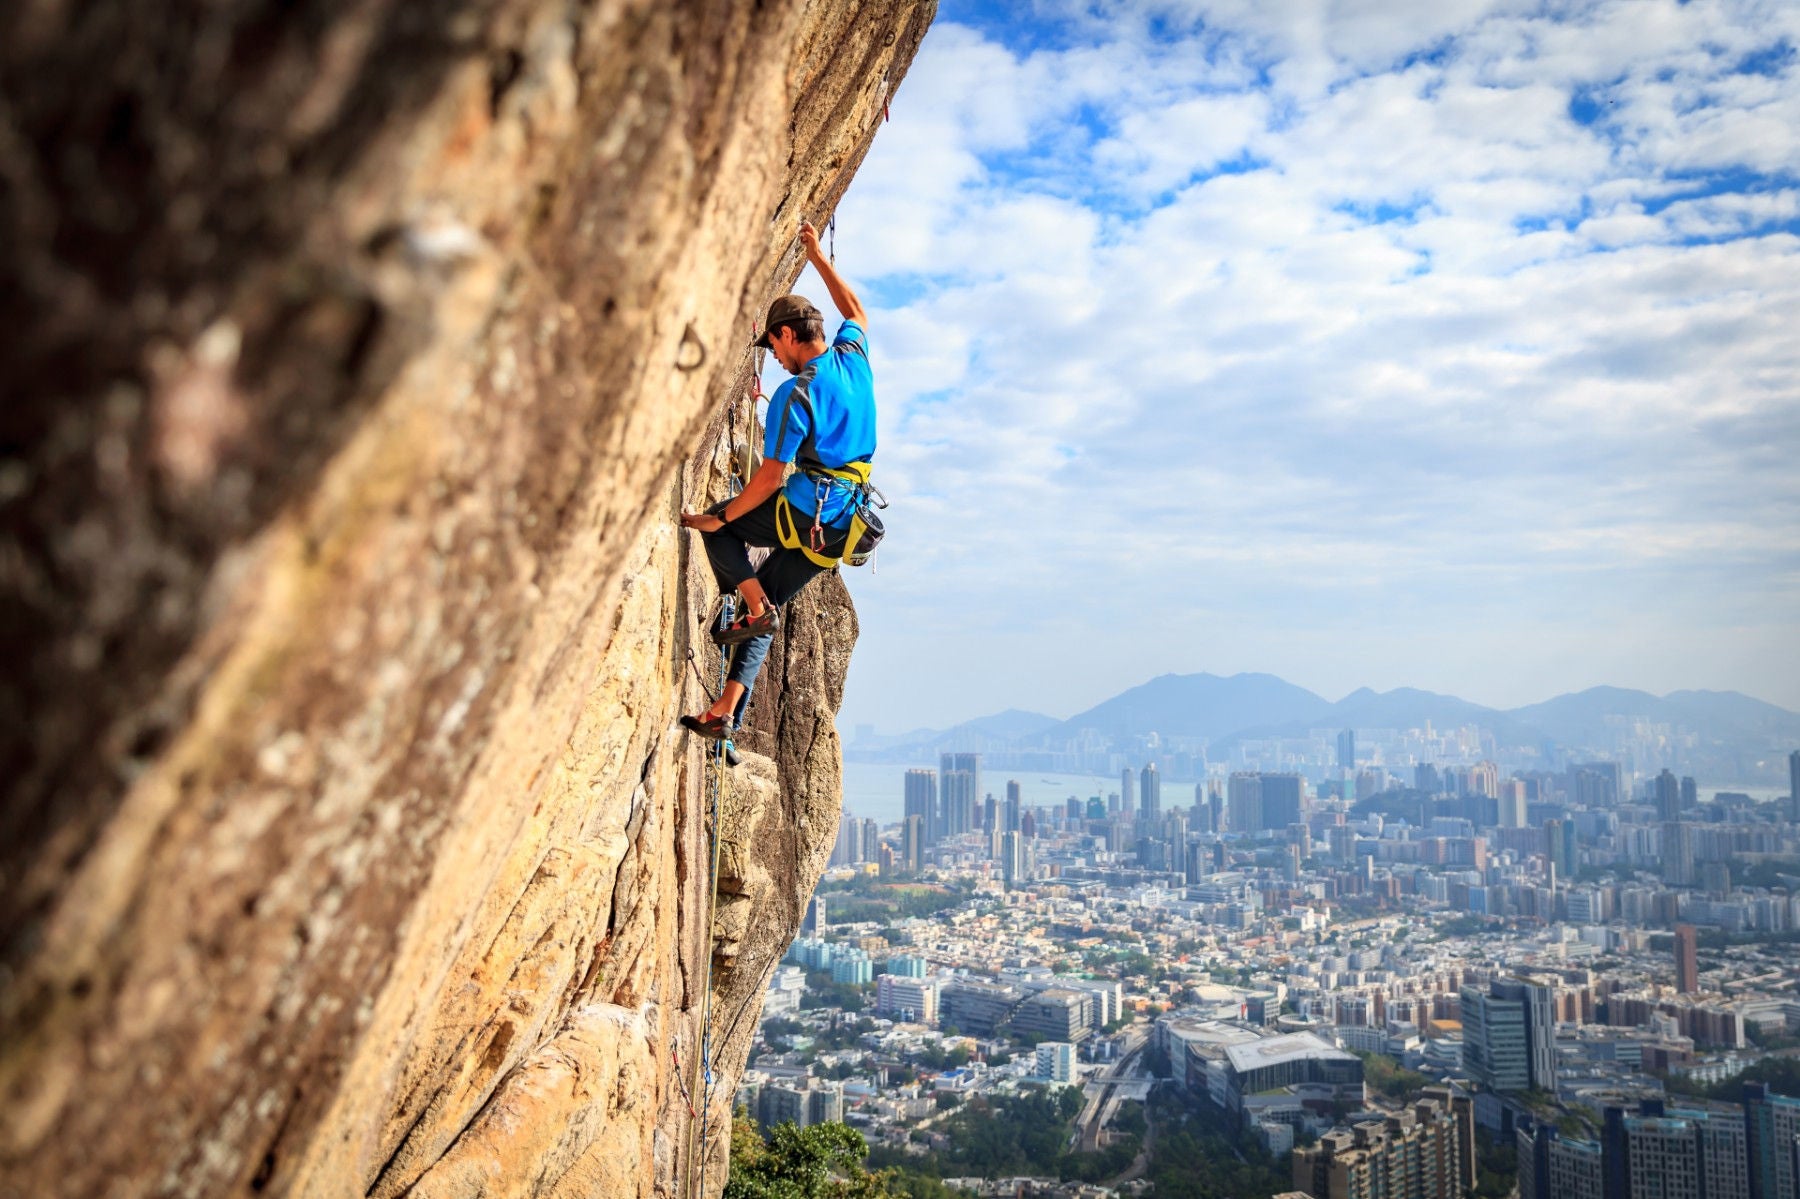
{"x": 1014, "y": 722}
{"x": 1403, "y": 708}
{"x": 1735, "y": 710}
{"x": 984, "y": 734}
{"x": 1733, "y": 736}
{"x": 1197, "y": 705}
{"x": 1580, "y": 717}
{"x": 1715, "y": 717}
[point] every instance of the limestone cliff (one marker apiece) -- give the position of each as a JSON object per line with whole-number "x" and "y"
{"x": 359, "y": 355}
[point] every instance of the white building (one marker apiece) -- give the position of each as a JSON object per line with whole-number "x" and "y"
{"x": 785, "y": 989}
{"x": 911, "y": 999}
{"x": 1056, "y": 1061}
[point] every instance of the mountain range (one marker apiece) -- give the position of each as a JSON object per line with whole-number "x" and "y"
{"x": 1744, "y": 737}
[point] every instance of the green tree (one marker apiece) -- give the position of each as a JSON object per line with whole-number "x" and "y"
{"x": 821, "y": 1162}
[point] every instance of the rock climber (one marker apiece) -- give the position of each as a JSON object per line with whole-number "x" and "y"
{"x": 823, "y": 420}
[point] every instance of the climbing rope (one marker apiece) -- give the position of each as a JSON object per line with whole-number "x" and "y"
{"x": 727, "y": 612}
{"x": 719, "y": 759}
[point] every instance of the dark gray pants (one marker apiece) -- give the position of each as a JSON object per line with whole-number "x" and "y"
{"x": 783, "y": 574}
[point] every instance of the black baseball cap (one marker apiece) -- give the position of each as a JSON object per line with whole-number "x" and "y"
{"x": 782, "y": 311}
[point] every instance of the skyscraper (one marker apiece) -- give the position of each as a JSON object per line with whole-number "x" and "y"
{"x": 1559, "y": 848}
{"x": 1012, "y": 859}
{"x": 1014, "y": 805}
{"x": 1281, "y": 800}
{"x": 1150, "y": 792}
{"x": 959, "y": 786}
{"x": 1687, "y": 966}
{"x": 1243, "y": 803}
{"x": 912, "y": 844}
{"x": 1794, "y": 786}
{"x": 1667, "y": 789}
{"x": 1772, "y": 1125}
{"x": 1128, "y": 789}
{"x": 1678, "y": 854}
{"x": 1512, "y": 804}
{"x": 990, "y": 813}
{"x": 1346, "y": 750}
{"x": 921, "y": 801}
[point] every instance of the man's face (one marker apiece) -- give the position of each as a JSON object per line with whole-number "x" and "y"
{"x": 786, "y": 347}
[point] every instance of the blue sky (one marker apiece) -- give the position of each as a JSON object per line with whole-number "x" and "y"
{"x": 1392, "y": 343}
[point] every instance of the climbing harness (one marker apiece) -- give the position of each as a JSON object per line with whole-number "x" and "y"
{"x": 865, "y": 531}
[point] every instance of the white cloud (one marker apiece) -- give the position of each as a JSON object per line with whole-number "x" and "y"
{"x": 1432, "y": 356}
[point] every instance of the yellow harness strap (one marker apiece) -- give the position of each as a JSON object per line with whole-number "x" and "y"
{"x": 788, "y": 531}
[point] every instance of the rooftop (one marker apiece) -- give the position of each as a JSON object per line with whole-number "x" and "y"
{"x": 1272, "y": 1051}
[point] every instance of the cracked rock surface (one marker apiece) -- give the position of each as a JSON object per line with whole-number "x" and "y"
{"x": 359, "y": 358}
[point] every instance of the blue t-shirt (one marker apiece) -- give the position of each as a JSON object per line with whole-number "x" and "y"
{"x": 825, "y": 416}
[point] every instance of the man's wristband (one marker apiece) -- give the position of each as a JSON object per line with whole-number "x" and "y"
{"x": 723, "y": 519}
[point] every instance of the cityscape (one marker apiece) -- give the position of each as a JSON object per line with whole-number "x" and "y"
{"x": 1404, "y": 971}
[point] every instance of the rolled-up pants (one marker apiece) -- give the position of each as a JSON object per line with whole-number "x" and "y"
{"x": 783, "y": 574}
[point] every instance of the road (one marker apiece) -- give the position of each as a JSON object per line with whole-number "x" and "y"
{"x": 1096, "y": 1113}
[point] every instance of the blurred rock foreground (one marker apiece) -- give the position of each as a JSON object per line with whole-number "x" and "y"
{"x": 357, "y": 359}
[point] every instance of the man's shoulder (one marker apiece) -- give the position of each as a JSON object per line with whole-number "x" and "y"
{"x": 851, "y": 336}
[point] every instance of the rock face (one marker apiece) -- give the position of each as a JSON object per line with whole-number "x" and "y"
{"x": 359, "y": 358}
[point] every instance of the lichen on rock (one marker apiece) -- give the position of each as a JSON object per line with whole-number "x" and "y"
{"x": 359, "y": 360}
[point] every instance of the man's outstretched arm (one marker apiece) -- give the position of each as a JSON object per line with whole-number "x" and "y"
{"x": 848, "y": 306}
{"x": 763, "y": 484}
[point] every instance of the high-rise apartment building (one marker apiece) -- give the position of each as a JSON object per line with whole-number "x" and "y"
{"x": 1677, "y": 1149}
{"x": 1794, "y": 786}
{"x": 1559, "y": 848}
{"x": 912, "y": 844}
{"x": 959, "y": 788}
{"x": 1149, "y": 792}
{"x": 1012, "y": 859}
{"x": 1666, "y": 789}
{"x": 921, "y": 801}
{"x": 1772, "y": 1142}
{"x": 1243, "y": 802}
{"x": 1512, "y": 804}
{"x": 1554, "y": 1167}
{"x": 1426, "y": 1151}
{"x": 1685, "y": 1155}
{"x": 1687, "y": 964}
{"x": 1678, "y": 854}
{"x": 1282, "y": 796}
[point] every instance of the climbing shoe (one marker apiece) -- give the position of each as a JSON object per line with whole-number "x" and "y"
{"x": 713, "y": 728}
{"x": 746, "y": 627}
